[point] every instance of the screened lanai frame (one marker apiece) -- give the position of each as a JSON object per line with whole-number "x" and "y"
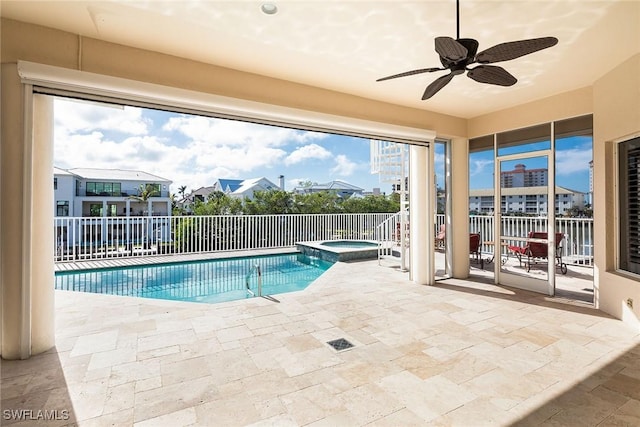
{"x": 525, "y": 137}
{"x": 39, "y": 81}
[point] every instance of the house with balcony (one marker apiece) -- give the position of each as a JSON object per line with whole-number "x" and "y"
{"x": 100, "y": 209}
{"x": 88, "y": 192}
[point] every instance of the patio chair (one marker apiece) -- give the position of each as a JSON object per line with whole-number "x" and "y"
{"x": 440, "y": 237}
{"x": 474, "y": 248}
{"x": 398, "y": 234}
{"x": 535, "y": 251}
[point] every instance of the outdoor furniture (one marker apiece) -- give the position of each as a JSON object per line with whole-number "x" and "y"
{"x": 503, "y": 259}
{"x": 536, "y": 251}
{"x": 474, "y": 248}
{"x": 440, "y": 237}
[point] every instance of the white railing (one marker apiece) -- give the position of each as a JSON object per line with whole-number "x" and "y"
{"x": 577, "y": 246}
{"x": 89, "y": 238}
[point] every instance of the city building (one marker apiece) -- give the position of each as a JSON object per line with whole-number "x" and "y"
{"x": 530, "y": 200}
{"x": 520, "y": 176}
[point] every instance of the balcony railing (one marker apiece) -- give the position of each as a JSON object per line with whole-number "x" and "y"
{"x": 577, "y": 245}
{"x": 102, "y": 194}
{"x": 112, "y": 237}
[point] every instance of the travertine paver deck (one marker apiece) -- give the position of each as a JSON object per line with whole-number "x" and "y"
{"x": 459, "y": 353}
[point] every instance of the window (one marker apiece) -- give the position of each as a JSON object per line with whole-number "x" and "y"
{"x": 55, "y": 183}
{"x": 62, "y": 208}
{"x": 95, "y": 209}
{"x": 629, "y": 204}
{"x": 112, "y": 189}
{"x": 155, "y": 189}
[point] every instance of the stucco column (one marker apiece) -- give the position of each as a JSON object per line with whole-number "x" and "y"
{"x": 459, "y": 228}
{"x": 42, "y": 249}
{"x": 26, "y": 226}
{"x": 420, "y": 216}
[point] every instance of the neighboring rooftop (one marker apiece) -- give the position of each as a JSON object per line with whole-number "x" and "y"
{"x": 114, "y": 174}
{"x": 335, "y": 185}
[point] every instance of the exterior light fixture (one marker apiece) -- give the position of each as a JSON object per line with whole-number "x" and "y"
{"x": 269, "y": 8}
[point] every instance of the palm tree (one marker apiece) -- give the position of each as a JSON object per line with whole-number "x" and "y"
{"x": 145, "y": 192}
{"x": 182, "y": 189}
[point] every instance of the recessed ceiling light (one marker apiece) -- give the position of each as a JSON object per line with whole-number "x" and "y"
{"x": 269, "y": 8}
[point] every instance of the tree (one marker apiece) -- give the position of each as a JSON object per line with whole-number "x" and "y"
{"x": 269, "y": 202}
{"x": 182, "y": 190}
{"x": 371, "y": 204}
{"x": 145, "y": 192}
{"x": 321, "y": 202}
{"x": 218, "y": 203}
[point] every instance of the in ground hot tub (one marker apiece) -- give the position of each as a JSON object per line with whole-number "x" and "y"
{"x": 340, "y": 250}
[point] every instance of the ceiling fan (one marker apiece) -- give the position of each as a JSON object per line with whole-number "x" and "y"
{"x": 457, "y": 55}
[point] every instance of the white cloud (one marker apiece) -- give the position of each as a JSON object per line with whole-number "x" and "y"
{"x": 480, "y": 166}
{"x": 344, "y": 166}
{"x": 237, "y": 133}
{"x": 572, "y": 160}
{"x": 189, "y": 150}
{"x": 75, "y": 116}
{"x": 311, "y": 151}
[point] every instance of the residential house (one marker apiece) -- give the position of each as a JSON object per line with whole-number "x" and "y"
{"x": 94, "y": 207}
{"x": 341, "y": 188}
{"x": 87, "y": 192}
{"x": 245, "y": 188}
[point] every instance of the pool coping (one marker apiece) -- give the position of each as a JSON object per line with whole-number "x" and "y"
{"x": 165, "y": 259}
{"x": 318, "y": 249}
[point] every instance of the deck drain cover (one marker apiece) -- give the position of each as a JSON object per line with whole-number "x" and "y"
{"x": 340, "y": 344}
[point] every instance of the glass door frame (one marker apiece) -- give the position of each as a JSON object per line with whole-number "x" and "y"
{"x": 522, "y": 282}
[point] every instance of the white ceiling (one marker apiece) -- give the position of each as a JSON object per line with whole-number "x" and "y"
{"x": 346, "y": 45}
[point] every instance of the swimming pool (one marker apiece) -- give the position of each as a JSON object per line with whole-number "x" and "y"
{"x": 208, "y": 281}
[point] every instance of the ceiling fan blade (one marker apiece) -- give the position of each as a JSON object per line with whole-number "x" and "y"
{"x": 512, "y": 50}
{"x": 471, "y": 45}
{"x": 492, "y": 75}
{"x": 436, "y": 85}
{"x": 450, "y": 50}
{"x": 411, "y": 73}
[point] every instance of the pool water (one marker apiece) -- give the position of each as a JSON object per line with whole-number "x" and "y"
{"x": 202, "y": 281}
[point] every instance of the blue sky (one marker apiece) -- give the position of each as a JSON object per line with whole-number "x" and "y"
{"x": 194, "y": 150}
{"x": 572, "y": 164}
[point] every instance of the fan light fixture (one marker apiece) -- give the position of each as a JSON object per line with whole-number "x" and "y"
{"x": 269, "y": 8}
